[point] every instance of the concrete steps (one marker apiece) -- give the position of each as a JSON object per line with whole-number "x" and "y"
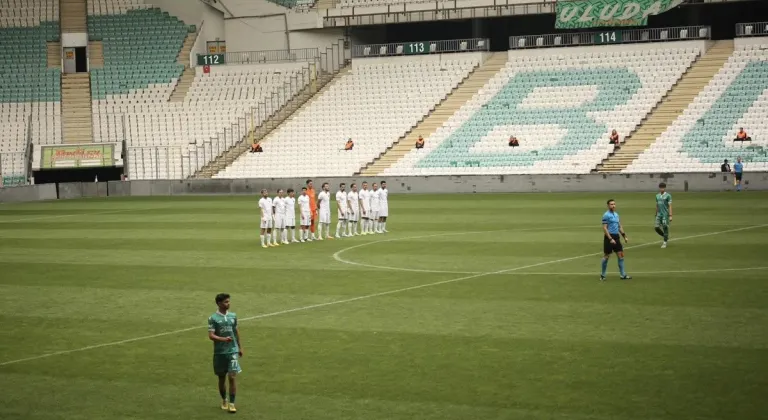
{"x": 76, "y": 116}
{"x": 73, "y": 16}
{"x": 53, "y": 55}
{"x": 96, "y": 54}
{"x": 261, "y": 133}
{"x": 670, "y": 107}
{"x": 442, "y": 112}
{"x": 188, "y": 75}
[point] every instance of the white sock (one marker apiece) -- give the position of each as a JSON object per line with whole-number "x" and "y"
{"x": 351, "y": 228}
{"x": 370, "y": 225}
{"x": 383, "y": 226}
{"x": 338, "y": 226}
{"x": 285, "y": 235}
{"x": 375, "y": 225}
{"x": 262, "y": 239}
{"x": 274, "y": 236}
{"x": 293, "y": 234}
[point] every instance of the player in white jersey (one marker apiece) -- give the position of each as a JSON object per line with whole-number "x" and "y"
{"x": 290, "y": 215}
{"x": 305, "y": 213}
{"x": 375, "y": 207}
{"x": 354, "y": 210}
{"x": 265, "y": 204}
{"x": 278, "y": 205}
{"x": 383, "y": 207}
{"x": 343, "y": 209}
{"x": 365, "y": 207}
{"x": 324, "y": 204}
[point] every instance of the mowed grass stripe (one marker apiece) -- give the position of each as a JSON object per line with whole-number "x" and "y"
{"x": 516, "y": 346}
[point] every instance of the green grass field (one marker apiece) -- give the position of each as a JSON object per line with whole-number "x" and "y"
{"x": 472, "y": 307}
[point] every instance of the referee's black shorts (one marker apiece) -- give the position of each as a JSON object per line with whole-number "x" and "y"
{"x": 609, "y": 248}
{"x": 738, "y": 176}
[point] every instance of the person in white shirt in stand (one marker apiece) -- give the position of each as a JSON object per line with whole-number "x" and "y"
{"x": 383, "y": 207}
{"x": 324, "y": 205}
{"x": 265, "y": 204}
{"x": 290, "y": 216}
{"x": 365, "y": 208}
{"x": 354, "y": 210}
{"x": 375, "y": 207}
{"x": 278, "y": 231}
{"x": 342, "y": 204}
{"x": 305, "y": 213}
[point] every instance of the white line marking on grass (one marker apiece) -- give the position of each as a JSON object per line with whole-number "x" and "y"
{"x": 358, "y": 298}
{"x": 592, "y": 273}
{"x": 337, "y": 254}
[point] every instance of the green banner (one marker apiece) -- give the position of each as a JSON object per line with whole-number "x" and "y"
{"x": 77, "y": 156}
{"x": 574, "y": 14}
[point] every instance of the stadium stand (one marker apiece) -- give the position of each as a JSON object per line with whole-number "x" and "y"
{"x": 608, "y": 88}
{"x": 141, "y": 46}
{"x": 702, "y": 137}
{"x": 30, "y": 94}
{"x": 375, "y": 104}
{"x": 215, "y": 101}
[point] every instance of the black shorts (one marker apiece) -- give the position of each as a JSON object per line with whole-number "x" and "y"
{"x": 609, "y": 248}
{"x": 738, "y": 176}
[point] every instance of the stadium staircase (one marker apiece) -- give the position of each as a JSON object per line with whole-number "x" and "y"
{"x": 670, "y": 107}
{"x": 442, "y": 112}
{"x": 77, "y": 123}
{"x": 298, "y": 102}
{"x": 188, "y": 74}
{"x": 324, "y": 4}
{"x": 96, "y": 54}
{"x": 73, "y": 16}
{"x": 53, "y": 55}
{"x": 76, "y": 115}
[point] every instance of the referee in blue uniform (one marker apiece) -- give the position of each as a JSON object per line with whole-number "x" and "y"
{"x": 612, "y": 234}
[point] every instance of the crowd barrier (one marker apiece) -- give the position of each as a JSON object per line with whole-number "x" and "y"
{"x": 459, "y": 184}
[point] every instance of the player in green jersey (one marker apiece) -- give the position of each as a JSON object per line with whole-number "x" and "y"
{"x": 663, "y": 213}
{"x": 222, "y": 330}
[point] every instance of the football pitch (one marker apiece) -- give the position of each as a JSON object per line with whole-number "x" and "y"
{"x": 471, "y": 307}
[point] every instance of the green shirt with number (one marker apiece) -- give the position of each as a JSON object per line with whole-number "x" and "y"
{"x": 224, "y": 325}
{"x": 662, "y": 204}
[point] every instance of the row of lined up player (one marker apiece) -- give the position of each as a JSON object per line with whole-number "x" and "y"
{"x": 359, "y": 213}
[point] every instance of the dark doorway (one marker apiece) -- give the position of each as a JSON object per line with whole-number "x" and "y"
{"x": 81, "y": 60}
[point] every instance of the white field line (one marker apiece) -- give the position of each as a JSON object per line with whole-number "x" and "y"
{"x": 337, "y": 254}
{"x": 358, "y": 298}
{"x": 592, "y": 273}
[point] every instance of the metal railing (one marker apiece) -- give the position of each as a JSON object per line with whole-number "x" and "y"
{"x": 271, "y": 56}
{"x": 420, "y": 47}
{"x": 610, "y": 36}
{"x": 183, "y": 161}
{"x": 752, "y": 29}
{"x": 15, "y": 167}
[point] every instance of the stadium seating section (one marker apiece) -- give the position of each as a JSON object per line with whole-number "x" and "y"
{"x": 702, "y": 137}
{"x": 374, "y": 105}
{"x": 141, "y": 46}
{"x": 30, "y": 94}
{"x": 215, "y": 101}
{"x": 561, "y": 104}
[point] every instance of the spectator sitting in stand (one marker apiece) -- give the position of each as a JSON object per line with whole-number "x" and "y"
{"x": 349, "y": 145}
{"x": 513, "y": 142}
{"x": 420, "y": 143}
{"x": 256, "y": 148}
{"x": 742, "y": 135}
{"x": 725, "y": 167}
{"x": 615, "y": 139}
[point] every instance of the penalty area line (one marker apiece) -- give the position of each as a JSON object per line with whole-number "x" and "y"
{"x": 358, "y": 298}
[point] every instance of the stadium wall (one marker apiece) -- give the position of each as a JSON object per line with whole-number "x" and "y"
{"x": 195, "y": 13}
{"x": 692, "y": 182}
